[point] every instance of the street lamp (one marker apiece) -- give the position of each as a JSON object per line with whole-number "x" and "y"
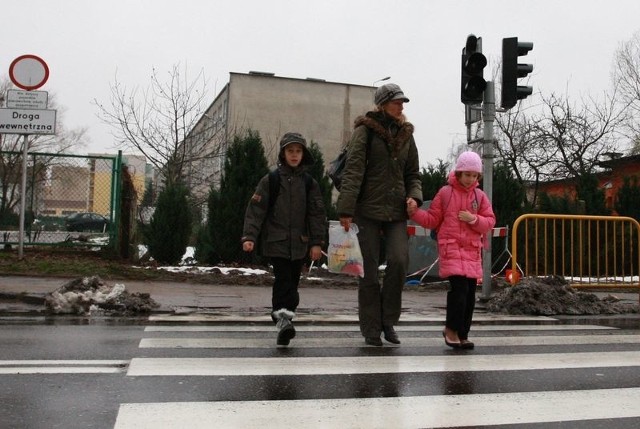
{"x": 380, "y": 80}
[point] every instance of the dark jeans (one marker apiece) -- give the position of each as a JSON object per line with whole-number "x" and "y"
{"x": 461, "y": 301}
{"x": 378, "y": 306}
{"x": 285, "y": 286}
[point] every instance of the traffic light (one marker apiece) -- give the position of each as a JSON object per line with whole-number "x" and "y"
{"x": 512, "y": 71}
{"x": 472, "y": 82}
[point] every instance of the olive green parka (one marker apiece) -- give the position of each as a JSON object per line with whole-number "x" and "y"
{"x": 377, "y": 186}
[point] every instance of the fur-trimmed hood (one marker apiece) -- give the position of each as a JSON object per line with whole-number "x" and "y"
{"x": 382, "y": 169}
{"x": 387, "y": 128}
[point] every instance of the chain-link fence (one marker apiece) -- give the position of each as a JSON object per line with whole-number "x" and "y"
{"x": 70, "y": 199}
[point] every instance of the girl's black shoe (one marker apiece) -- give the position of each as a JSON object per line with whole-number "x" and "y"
{"x": 450, "y": 344}
{"x": 466, "y": 344}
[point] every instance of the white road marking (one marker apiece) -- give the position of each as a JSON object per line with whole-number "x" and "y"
{"x": 336, "y": 318}
{"x": 63, "y": 366}
{"x": 261, "y": 343}
{"x": 374, "y": 365}
{"x": 410, "y": 412}
{"x": 356, "y": 328}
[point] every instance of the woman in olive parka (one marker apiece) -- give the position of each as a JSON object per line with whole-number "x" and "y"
{"x": 381, "y": 173}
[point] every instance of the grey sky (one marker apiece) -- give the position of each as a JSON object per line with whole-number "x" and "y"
{"x": 416, "y": 42}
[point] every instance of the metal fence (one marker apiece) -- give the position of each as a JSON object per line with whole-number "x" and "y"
{"x": 70, "y": 199}
{"x": 588, "y": 251}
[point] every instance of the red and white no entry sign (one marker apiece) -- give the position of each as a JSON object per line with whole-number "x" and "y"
{"x": 28, "y": 72}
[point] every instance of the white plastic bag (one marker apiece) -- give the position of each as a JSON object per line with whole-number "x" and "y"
{"x": 344, "y": 253}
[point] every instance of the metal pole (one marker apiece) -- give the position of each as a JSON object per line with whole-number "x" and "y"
{"x": 488, "y": 116}
{"x": 23, "y": 196}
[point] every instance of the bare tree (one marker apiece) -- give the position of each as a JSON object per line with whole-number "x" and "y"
{"x": 166, "y": 123}
{"x": 577, "y": 136}
{"x": 563, "y": 140}
{"x": 626, "y": 76}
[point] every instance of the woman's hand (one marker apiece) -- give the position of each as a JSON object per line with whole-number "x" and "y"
{"x": 247, "y": 246}
{"x": 345, "y": 222}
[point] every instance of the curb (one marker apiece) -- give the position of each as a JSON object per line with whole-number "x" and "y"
{"x": 27, "y": 298}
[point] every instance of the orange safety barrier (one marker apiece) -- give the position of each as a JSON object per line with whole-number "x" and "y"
{"x": 588, "y": 251}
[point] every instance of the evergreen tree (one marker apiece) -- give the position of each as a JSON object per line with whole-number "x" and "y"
{"x": 552, "y": 204}
{"x": 628, "y": 198}
{"x": 508, "y": 196}
{"x": 593, "y": 197}
{"x": 205, "y": 251}
{"x": 168, "y": 233}
{"x": 244, "y": 166}
{"x": 433, "y": 177}
{"x": 319, "y": 173}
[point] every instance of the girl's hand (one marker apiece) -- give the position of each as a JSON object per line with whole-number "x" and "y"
{"x": 466, "y": 216}
{"x": 412, "y": 206}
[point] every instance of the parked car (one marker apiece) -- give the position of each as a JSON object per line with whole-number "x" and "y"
{"x": 82, "y": 222}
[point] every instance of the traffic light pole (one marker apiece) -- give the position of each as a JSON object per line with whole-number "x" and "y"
{"x": 488, "y": 117}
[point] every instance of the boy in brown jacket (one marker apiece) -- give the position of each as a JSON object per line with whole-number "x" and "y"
{"x": 289, "y": 228}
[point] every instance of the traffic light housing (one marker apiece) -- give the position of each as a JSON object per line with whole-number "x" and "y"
{"x": 472, "y": 82}
{"x": 512, "y": 71}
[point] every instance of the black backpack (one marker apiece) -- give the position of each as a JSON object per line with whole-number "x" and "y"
{"x": 336, "y": 167}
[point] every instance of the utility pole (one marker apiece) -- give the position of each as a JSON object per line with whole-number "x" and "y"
{"x": 488, "y": 117}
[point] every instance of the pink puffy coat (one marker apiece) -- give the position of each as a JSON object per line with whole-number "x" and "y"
{"x": 459, "y": 243}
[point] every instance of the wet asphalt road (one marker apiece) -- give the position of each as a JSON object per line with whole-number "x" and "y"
{"x": 74, "y": 373}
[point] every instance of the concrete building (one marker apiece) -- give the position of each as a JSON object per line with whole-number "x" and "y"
{"x": 323, "y": 112}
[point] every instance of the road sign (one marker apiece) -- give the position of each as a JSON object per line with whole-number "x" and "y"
{"x": 17, "y": 99}
{"x": 27, "y": 121}
{"x": 28, "y": 72}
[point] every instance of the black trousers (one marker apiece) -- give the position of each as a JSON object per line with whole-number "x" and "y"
{"x": 461, "y": 301}
{"x": 285, "y": 286}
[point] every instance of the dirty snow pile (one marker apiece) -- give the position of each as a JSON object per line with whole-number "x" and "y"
{"x": 89, "y": 295}
{"x": 553, "y": 295}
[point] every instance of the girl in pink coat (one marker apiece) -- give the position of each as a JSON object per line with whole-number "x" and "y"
{"x": 460, "y": 213}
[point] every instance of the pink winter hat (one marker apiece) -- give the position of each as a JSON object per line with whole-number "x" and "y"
{"x": 469, "y": 161}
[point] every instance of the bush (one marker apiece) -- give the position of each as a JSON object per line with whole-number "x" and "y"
{"x": 168, "y": 233}
{"x": 245, "y": 164}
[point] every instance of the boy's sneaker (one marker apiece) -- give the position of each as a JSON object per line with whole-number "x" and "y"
{"x": 286, "y": 331}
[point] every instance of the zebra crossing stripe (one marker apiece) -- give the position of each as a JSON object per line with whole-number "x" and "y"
{"x": 415, "y": 412}
{"x": 62, "y": 366}
{"x": 356, "y": 328}
{"x": 374, "y": 365}
{"x": 262, "y": 343}
{"x": 340, "y": 318}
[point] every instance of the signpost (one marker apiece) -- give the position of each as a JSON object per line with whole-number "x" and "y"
{"x": 28, "y": 72}
{"x": 26, "y": 114}
{"x": 17, "y": 99}
{"x": 22, "y": 121}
